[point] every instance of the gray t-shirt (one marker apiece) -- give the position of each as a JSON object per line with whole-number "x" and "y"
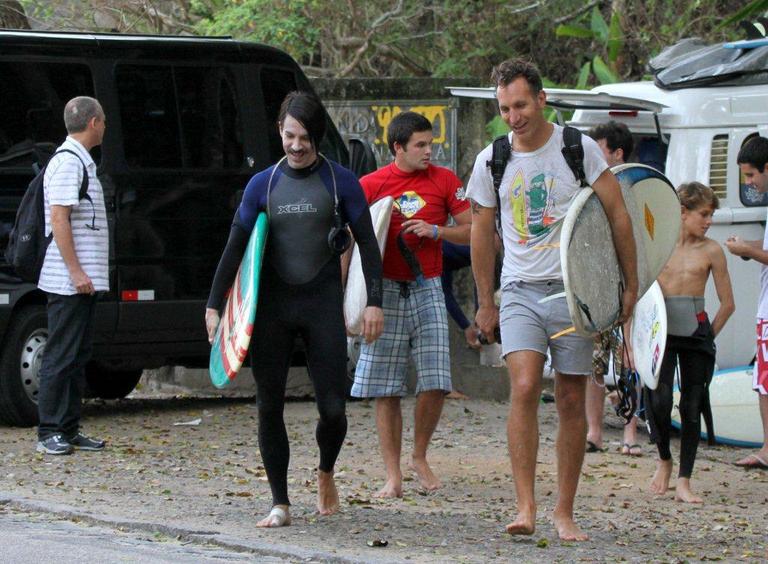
{"x": 61, "y": 185}
{"x": 536, "y": 191}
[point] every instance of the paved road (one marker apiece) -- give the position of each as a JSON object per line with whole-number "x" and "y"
{"x": 31, "y": 538}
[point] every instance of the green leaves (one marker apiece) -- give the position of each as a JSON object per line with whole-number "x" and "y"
{"x": 574, "y": 31}
{"x": 610, "y": 37}
{"x": 602, "y": 72}
{"x": 754, "y": 8}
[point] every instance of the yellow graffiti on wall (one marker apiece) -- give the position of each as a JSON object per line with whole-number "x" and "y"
{"x": 437, "y": 115}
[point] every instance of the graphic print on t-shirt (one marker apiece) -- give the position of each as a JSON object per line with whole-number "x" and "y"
{"x": 409, "y": 203}
{"x": 531, "y": 204}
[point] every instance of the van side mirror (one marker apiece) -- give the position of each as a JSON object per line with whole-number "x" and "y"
{"x": 361, "y": 157}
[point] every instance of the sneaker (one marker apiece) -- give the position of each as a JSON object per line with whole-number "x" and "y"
{"x": 55, "y": 444}
{"x": 81, "y": 442}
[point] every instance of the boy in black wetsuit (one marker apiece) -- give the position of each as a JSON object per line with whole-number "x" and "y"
{"x": 690, "y": 337}
{"x": 301, "y": 292}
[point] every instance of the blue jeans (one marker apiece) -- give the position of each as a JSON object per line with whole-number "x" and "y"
{"x": 62, "y": 370}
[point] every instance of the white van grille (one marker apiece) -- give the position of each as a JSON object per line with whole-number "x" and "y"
{"x": 718, "y": 167}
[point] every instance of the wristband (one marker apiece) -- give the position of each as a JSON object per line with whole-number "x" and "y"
{"x": 435, "y": 232}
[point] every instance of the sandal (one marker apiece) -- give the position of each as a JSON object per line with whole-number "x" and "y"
{"x": 626, "y": 449}
{"x": 752, "y": 461}
{"x": 278, "y": 517}
{"x": 592, "y": 447}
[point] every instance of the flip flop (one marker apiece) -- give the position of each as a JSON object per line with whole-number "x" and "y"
{"x": 752, "y": 461}
{"x": 629, "y": 448}
{"x": 278, "y": 517}
{"x": 592, "y": 447}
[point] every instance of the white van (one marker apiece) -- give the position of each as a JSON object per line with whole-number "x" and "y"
{"x": 702, "y": 130}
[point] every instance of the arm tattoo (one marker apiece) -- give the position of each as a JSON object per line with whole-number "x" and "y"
{"x": 475, "y": 207}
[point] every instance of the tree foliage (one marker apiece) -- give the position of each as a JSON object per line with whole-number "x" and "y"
{"x": 574, "y": 42}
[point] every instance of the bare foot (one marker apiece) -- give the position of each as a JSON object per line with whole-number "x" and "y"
{"x": 280, "y": 516}
{"x": 567, "y": 530}
{"x": 457, "y": 395}
{"x": 327, "y": 494}
{"x": 426, "y": 477}
{"x": 524, "y": 523}
{"x": 683, "y": 492}
{"x": 660, "y": 480}
{"x": 393, "y": 488}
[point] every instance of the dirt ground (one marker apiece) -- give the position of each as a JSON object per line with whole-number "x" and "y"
{"x": 209, "y": 478}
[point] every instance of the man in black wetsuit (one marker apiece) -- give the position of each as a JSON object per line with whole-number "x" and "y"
{"x": 307, "y": 198}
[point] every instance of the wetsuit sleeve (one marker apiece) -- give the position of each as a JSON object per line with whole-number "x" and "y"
{"x": 453, "y": 307}
{"x": 254, "y": 201}
{"x": 355, "y": 210}
{"x": 228, "y": 265}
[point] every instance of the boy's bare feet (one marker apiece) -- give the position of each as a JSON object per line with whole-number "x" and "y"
{"x": 567, "y": 530}
{"x": 427, "y": 478}
{"x": 393, "y": 488}
{"x": 683, "y": 492}
{"x": 327, "y": 494}
{"x": 660, "y": 481}
{"x": 524, "y": 523}
{"x": 280, "y": 516}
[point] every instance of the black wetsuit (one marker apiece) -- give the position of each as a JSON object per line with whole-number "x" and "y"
{"x": 696, "y": 357}
{"x": 300, "y": 294}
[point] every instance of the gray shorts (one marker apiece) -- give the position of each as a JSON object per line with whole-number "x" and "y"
{"x": 527, "y": 325}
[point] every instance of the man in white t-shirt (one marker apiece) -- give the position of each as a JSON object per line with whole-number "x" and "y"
{"x": 75, "y": 270}
{"x": 535, "y": 193}
{"x": 753, "y": 163}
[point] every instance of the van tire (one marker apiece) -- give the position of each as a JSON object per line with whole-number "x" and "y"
{"x": 108, "y": 383}
{"x": 24, "y": 343}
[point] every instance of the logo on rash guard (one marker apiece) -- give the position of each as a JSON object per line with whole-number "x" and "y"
{"x": 409, "y": 204}
{"x": 302, "y": 206}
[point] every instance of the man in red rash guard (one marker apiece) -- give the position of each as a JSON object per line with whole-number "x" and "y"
{"x": 415, "y": 321}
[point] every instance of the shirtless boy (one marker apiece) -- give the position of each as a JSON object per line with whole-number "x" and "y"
{"x": 690, "y": 337}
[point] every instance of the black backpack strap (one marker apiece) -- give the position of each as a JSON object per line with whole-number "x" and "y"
{"x": 573, "y": 152}
{"x": 499, "y": 159}
{"x": 83, "y": 192}
{"x": 502, "y": 151}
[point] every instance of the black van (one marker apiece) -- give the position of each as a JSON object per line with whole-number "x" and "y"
{"x": 189, "y": 121}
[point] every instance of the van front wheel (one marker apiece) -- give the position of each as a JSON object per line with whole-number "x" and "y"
{"x": 19, "y": 366}
{"x": 109, "y": 383}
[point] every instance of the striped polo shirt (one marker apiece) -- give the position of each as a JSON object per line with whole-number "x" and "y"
{"x": 61, "y": 183}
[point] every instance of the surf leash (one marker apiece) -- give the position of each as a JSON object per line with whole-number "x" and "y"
{"x": 626, "y": 379}
{"x": 410, "y": 258}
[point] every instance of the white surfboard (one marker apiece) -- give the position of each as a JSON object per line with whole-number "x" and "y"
{"x": 591, "y": 271}
{"x": 649, "y": 335}
{"x": 355, "y": 294}
{"x": 735, "y": 408}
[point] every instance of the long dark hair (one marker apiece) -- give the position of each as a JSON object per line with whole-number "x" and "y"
{"x": 307, "y": 109}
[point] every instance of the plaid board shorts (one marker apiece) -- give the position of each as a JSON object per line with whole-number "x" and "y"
{"x": 414, "y": 325}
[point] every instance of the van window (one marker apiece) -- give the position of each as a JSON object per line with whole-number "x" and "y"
{"x": 748, "y": 195}
{"x": 275, "y": 86}
{"x": 649, "y": 151}
{"x": 33, "y": 97}
{"x": 718, "y": 166}
{"x": 176, "y": 117}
